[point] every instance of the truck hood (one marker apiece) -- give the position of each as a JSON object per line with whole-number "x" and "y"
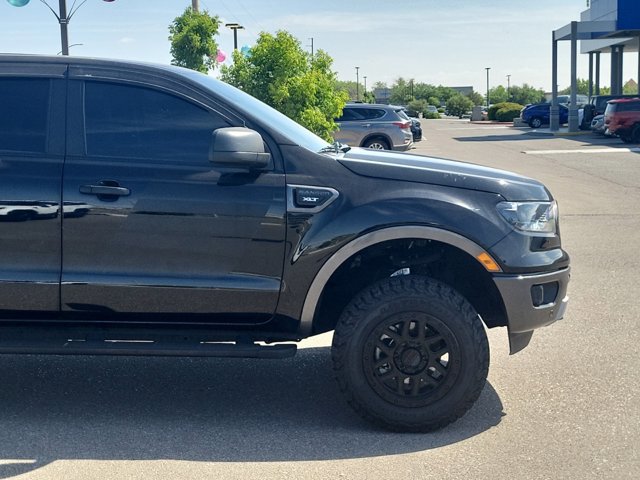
{"x": 448, "y": 173}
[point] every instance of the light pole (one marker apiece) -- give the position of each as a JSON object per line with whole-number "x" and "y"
{"x": 357, "y": 84}
{"x": 509, "y": 87}
{"x": 365, "y": 84}
{"x": 487, "y": 69}
{"x": 235, "y": 27}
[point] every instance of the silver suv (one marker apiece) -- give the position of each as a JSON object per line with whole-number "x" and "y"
{"x": 375, "y": 126}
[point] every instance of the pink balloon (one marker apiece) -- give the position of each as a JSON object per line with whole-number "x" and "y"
{"x": 221, "y": 57}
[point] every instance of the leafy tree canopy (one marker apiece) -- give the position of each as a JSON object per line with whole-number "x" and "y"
{"x": 192, "y": 40}
{"x": 458, "y": 105}
{"x": 280, "y": 73}
{"x": 476, "y": 98}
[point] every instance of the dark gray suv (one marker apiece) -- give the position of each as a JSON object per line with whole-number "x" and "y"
{"x": 381, "y": 127}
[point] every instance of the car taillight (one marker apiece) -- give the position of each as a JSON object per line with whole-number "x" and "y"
{"x": 402, "y": 125}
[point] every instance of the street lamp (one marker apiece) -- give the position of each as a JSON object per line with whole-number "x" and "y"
{"x": 365, "y": 84}
{"x": 72, "y": 45}
{"x": 63, "y": 17}
{"x": 509, "y": 87}
{"x": 357, "y": 84}
{"x": 487, "y": 69}
{"x": 235, "y": 27}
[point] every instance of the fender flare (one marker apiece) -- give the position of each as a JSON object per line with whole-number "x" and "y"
{"x": 392, "y": 233}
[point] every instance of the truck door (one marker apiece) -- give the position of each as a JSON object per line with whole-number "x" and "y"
{"x": 32, "y": 99}
{"x": 152, "y": 229}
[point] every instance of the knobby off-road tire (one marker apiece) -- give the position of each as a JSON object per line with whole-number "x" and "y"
{"x": 410, "y": 354}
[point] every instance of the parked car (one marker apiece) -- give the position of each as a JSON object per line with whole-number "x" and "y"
{"x": 538, "y": 114}
{"x": 205, "y": 223}
{"x": 597, "y": 125}
{"x": 416, "y": 127}
{"x": 380, "y": 127}
{"x": 622, "y": 119}
{"x": 599, "y": 102}
{"x": 566, "y": 99}
{"x": 432, "y": 109}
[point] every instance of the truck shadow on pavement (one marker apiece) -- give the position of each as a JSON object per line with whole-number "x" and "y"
{"x": 587, "y": 140}
{"x": 194, "y": 409}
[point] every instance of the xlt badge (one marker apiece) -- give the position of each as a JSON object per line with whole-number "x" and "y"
{"x": 309, "y": 199}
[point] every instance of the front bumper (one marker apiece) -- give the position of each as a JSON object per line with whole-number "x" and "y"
{"x": 518, "y": 298}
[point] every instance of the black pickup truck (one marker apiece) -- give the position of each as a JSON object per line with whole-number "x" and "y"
{"x": 153, "y": 210}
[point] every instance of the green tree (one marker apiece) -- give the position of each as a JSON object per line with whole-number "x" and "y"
{"x": 458, "y": 105}
{"x": 350, "y": 87}
{"x": 192, "y": 40}
{"x": 435, "y": 101}
{"x": 476, "y": 98}
{"x": 417, "y": 106}
{"x": 369, "y": 97}
{"x": 280, "y": 73}
{"x": 526, "y": 94}
{"x": 498, "y": 95}
{"x": 583, "y": 87}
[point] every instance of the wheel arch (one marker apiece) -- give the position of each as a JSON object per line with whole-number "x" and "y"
{"x": 458, "y": 242}
{"x": 381, "y": 135}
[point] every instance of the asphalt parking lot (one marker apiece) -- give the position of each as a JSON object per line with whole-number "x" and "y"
{"x": 567, "y": 407}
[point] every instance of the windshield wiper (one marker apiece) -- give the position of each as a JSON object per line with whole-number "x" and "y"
{"x": 335, "y": 147}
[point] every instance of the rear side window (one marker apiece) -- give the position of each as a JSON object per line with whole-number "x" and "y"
{"x": 24, "y": 111}
{"x": 138, "y": 122}
{"x": 373, "y": 113}
{"x": 358, "y": 114}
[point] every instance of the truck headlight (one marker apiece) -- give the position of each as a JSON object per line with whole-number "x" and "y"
{"x": 537, "y": 217}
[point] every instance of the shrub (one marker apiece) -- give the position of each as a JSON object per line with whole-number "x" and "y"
{"x": 441, "y": 109}
{"x": 508, "y": 112}
{"x": 493, "y": 109}
{"x": 432, "y": 115}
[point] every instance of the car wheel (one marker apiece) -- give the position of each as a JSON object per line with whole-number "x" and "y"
{"x": 535, "y": 122}
{"x": 410, "y": 354}
{"x": 377, "y": 144}
{"x": 635, "y": 133}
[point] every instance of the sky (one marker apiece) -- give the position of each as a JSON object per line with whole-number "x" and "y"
{"x": 448, "y": 42}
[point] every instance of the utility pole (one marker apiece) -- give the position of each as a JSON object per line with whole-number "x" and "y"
{"x": 509, "y": 87}
{"x": 487, "y": 69}
{"x": 311, "y": 38}
{"x": 235, "y": 27}
{"x": 357, "y": 84}
{"x": 365, "y": 84}
{"x": 195, "y": 5}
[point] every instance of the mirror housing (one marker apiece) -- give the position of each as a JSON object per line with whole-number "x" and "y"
{"x": 238, "y": 147}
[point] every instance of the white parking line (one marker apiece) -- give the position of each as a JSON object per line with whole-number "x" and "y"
{"x": 583, "y": 150}
{"x": 470, "y": 128}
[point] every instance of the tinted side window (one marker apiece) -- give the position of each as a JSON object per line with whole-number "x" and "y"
{"x": 24, "y": 110}
{"x": 350, "y": 114}
{"x": 373, "y": 113}
{"x": 137, "y": 122}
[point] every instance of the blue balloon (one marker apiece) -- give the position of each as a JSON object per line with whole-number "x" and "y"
{"x": 18, "y": 3}
{"x": 245, "y": 50}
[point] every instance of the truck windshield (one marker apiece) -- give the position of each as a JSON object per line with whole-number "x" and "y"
{"x": 266, "y": 114}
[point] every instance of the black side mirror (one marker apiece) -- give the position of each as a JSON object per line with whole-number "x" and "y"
{"x": 238, "y": 147}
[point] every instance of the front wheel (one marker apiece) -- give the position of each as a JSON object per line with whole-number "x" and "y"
{"x": 410, "y": 354}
